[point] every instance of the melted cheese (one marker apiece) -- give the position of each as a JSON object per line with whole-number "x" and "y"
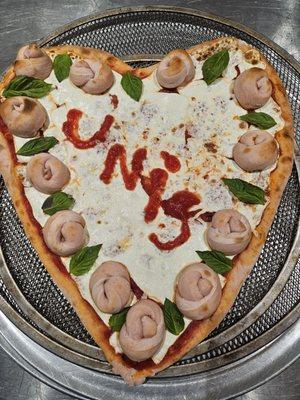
{"x": 114, "y": 215}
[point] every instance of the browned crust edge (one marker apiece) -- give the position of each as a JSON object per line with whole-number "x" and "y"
{"x": 243, "y": 263}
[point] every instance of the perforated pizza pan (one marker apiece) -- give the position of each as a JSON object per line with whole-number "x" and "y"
{"x": 268, "y": 302}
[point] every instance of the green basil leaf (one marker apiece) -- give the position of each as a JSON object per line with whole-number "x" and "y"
{"x": 132, "y": 85}
{"x": 116, "y": 321}
{"x": 214, "y": 66}
{"x": 38, "y": 145}
{"x": 216, "y": 260}
{"x": 82, "y": 261}
{"x": 173, "y": 317}
{"x": 61, "y": 65}
{"x": 57, "y": 202}
{"x": 245, "y": 192}
{"x": 27, "y": 86}
{"x": 259, "y": 119}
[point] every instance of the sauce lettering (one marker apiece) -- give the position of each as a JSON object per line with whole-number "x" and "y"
{"x": 178, "y": 206}
{"x": 70, "y": 129}
{"x": 154, "y": 186}
{"x": 172, "y": 163}
{"x": 130, "y": 178}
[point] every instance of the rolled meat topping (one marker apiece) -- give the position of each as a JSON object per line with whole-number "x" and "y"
{"x": 65, "y": 233}
{"x": 252, "y": 88}
{"x": 92, "y": 76}
{"x": 110, "y": 287}
{"x": 176, "y": 69}
{"x": 198, "y": 291}
{"x": 255, "y": 151}
{"x": 229, "y": 232}
{"x": 33, "y": 61}
{"x": 47, "y": 173}
{"x": 143, "y": 331}
{"x": 23, "y": 116}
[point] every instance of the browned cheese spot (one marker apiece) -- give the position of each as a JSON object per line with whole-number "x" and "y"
{"x": 211, "y": 147}
{"x": 249, "y": 55}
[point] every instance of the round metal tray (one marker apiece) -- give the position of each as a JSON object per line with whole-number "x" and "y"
{"x": 268, "y": 302}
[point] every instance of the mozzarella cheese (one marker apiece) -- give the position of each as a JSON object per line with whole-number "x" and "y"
{"x": 114, "y": 215}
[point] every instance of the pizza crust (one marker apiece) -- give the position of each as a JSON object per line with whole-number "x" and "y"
{"x": 135, "y": 373}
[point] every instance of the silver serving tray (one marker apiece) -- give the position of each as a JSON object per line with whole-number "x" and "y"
{"x": 246, "y": 349}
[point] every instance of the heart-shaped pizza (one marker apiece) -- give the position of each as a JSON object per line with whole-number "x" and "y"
{"x": 147, "y": 193}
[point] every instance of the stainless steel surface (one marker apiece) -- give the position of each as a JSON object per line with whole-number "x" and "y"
{"x": 23, "y": 386}
{"x": 87, "y": 384}
{"x": 290, "y": 9}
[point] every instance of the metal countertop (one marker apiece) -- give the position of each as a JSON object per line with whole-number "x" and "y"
{"x": 26, "y": 20}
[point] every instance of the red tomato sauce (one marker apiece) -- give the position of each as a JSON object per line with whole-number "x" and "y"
{"x": 207, "y": 216}
{"x": 154, "y": 186}
{"x": 172, "y": 163}
{"x": 3, "y": 127}
{"x": 179, "y": 204}
{"x": 184, "y": 235}
{"x": 114, "y": 100}
{"x": 9, "y": 139}
{"x": 238, "y": 71}
{"x": 70, "y": 129}
{"x": 177, "y": 207}
{"x": 136, "y": 289}
{"x": 130, "y": 178}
